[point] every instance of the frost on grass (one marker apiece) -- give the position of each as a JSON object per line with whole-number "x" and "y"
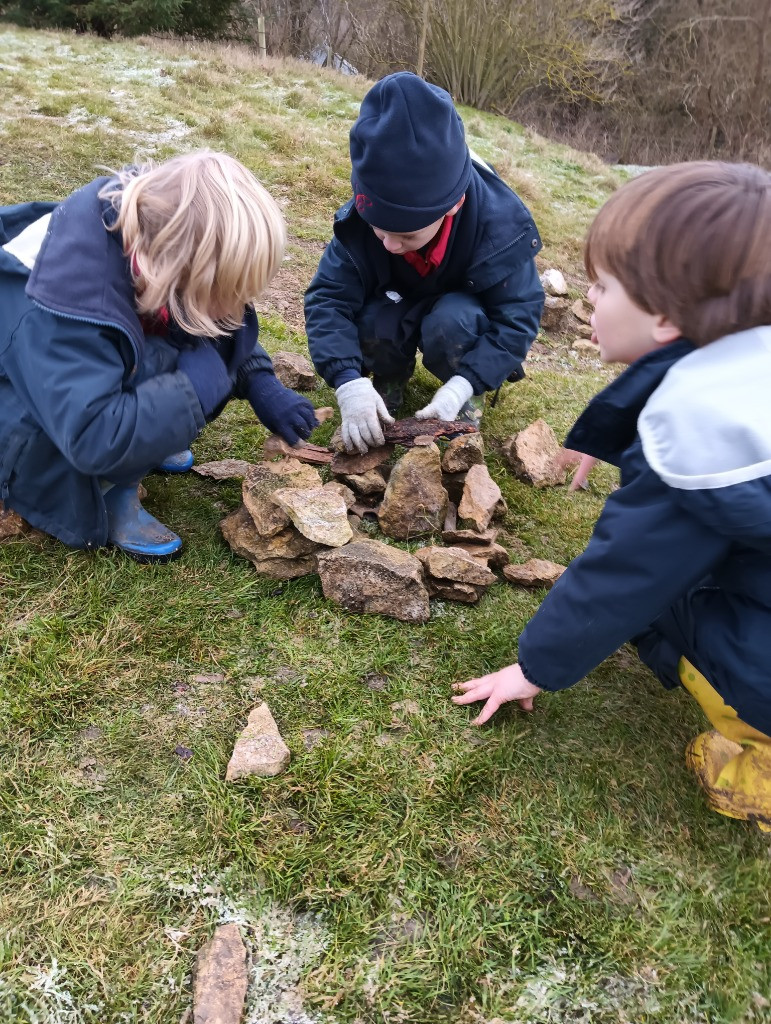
{"x": 281, "y": 946}
{"x": 42, "y": 996}
{"x": 560, "y": 992}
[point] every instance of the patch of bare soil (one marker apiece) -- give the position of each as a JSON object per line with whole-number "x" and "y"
{"x": 285, "y": 295}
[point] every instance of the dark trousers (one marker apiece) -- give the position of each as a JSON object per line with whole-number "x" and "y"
{"x": 444, "y": 332}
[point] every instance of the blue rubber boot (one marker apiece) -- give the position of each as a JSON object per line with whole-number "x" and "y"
{"x": 132, "y": 529}
{"x": 179, "y": 463}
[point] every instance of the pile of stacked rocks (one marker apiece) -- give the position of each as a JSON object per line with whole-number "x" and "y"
{"x": 291, "y": 524}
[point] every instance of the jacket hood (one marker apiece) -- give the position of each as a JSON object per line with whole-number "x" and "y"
{"x": 80, "y": 270}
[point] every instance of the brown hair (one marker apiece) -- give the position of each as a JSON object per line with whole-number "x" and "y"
{"x": 692, "y": 242}
{"x": 202, "y": 235}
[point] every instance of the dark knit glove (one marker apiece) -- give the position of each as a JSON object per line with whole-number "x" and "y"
{"x": 208, "y": 375}
{"x": 282, "y": 411}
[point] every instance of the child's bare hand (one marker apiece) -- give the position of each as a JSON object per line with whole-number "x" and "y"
{"x": 567, "y": 458}
{"x": 496, "y": 689}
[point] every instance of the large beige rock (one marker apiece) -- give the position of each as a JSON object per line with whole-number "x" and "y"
{"x": 259, "y": 750}
{"x": 462, "y": 453}
{"x": 538, "y": 572}
{"x": 481, "y": 495}
{"x": 368, "y": 576}
{"x": 454, "y": 575}
{"x": 415, "y": 502}
{"x": 320, "y": 514}
{"x": 283, "y": 556}
{"x": 532, "y": 455}
{"x": 221, "y": 978}
{"x": 265, "y": 478}
{"x": 294, "y": 371}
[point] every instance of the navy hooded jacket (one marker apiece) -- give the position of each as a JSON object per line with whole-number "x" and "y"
{"x": 84, "y": 394}
{"x": 685, "y": 542}
{"x": 490, "y": 255}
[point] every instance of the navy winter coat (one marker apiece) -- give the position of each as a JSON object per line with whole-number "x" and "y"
{"x": 682, "y": 550}
{"x": 84, "y": 394}
{"x": 490, "y": 255}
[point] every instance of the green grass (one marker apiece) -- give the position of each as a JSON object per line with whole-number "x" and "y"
{"x": 558, "y": 867}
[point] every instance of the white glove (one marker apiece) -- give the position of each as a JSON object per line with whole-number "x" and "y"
{"x": 447, "y": 402}
{"x": 363, "y": 410}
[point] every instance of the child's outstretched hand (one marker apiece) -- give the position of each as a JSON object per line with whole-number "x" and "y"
{"x": 497, "y": 688}
{"x": 568, "y": 457}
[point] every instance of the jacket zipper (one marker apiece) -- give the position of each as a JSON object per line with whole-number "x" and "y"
{"x": 96, "y": 323}
{"x": 497, "y": 252}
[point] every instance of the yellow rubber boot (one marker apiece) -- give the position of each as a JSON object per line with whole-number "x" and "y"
{"x": 732, "y": 762}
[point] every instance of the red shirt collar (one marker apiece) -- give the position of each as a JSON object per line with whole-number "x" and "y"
{"x": 434, "y": 252}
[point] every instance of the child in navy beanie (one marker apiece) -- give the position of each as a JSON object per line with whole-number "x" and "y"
{"x": 409, "y": 159}
{"x": 433, "y": 252}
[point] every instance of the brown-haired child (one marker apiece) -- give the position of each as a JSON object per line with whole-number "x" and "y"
{"x": 680, "y": 559}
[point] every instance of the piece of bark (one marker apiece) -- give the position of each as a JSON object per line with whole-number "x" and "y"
{"x": 221, "y": 978}
{"x": 314, "y": 454}
{"x": 223, "y": 469}
{"x": 353, "y": 464}
{"x": 405, "y": 431}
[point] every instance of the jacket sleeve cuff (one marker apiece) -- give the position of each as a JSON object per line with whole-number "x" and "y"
{"x": 343, "y": 377}
{"x": 531, "y": 677}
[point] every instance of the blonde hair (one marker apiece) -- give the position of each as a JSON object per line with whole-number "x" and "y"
{"x": 691, "y": 241}
{"x": 202, "y": 236}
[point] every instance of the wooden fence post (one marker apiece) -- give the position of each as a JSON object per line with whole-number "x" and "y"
{"x": 261, "y": 36}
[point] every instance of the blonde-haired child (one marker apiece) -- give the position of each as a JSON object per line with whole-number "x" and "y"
{"x": 127, "y": 324}
{"x": 680, "y": 559}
